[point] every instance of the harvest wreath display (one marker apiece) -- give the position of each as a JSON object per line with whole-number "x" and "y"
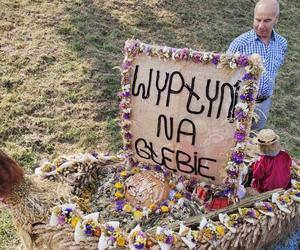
{"x": 186, "y": 119}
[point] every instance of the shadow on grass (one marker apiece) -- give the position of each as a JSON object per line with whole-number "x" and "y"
{"x": 97, "y": 30}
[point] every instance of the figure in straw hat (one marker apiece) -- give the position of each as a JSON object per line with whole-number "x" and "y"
{"x": 273, "y": 169}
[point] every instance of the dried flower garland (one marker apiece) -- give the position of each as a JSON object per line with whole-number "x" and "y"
{"x": 111, "y": 236}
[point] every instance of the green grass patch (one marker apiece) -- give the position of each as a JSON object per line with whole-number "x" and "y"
{"x": 8, "y": 238}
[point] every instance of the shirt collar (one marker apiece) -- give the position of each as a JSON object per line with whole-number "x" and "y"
{"x": 255, "y": 37}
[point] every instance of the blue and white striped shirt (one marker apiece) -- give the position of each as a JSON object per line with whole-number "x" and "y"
{"x": 272, "y": 56}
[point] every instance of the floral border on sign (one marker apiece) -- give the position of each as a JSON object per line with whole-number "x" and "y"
{"x": 243, "y": 110}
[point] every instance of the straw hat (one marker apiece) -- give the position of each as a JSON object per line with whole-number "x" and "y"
{"x": 266, "y": 137}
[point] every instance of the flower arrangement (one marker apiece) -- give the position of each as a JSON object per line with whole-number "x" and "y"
{"x": 137, "y": 238}
{"x": 112, "y": 236}
{"x": 166, "y": 236}
{"x": 283, "y": 201}
{"x": 265, "y": 207}
{"x": 249, "y": 214}
{"x": 87, "y": 227}
{"x": 231, "y": 221}
{"x": 209, "y": 231}
{"x": 294, "y": 194}
{"x": 91, "y": 228}
{"x": 64, "y": 214}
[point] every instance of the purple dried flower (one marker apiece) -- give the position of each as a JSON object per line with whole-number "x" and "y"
{"x": 216, "y": 59}
{"x": 126, "y": 64}
{"x": 165, "y": 203}
{"x": 134, "y": 163}
{"x": 170, "y": 240}
{"x": 61, "y": 220}
{"x": 181, "y": 178}
{"x": 126, "y": 116}
{"x": 247, "y": 76}
{"x": 242, "y": 126}
{"x": 243, "y": 61}
{"x": 95, "y": 154}
{"x": 88, "y": 229}
{"x": 240, "y": 115}
{"x": 237, "y": 157}
{"x": 197, "y": 57}
{"x": 251, "y": 213}
{"x": 247, "y": 96}
{"x": 110, "y": 228}
{"x": 239, "y": 136}
{"x": 172, "y": 194}
{"x": 146, "y": 167}
{"x": 128, "y": 135}
{"x": 157, "y": 168}
{"x": 228, "y": 191}
{"x": 139, "y": 246}
{"x": 147, "y": 50}
{"x": 184, "y": 54}
{"x": 193, "y": 182}
{"x": 119, "y": 205}
{"x": 125, "y": 94}
{"x": 133, "y": 48}
{"x": 188, "y": 195}
{"x": 68, "y": 211}
{"x": 232, "y": 173}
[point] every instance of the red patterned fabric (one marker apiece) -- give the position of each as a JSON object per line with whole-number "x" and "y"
{"x": 218, "y": 203}
{"x": 271, "y": 172}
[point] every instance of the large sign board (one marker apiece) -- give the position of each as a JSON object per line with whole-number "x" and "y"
{"x": 180, "y": 109}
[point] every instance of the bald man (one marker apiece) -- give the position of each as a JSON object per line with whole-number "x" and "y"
{"x": 263, "y": 40}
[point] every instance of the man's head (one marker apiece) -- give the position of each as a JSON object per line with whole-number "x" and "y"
{"x": 266, "y": 15}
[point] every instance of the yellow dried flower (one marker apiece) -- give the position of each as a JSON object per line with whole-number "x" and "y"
{"x": 118, "y": 195}
{"x": 178, "y": 195}
{"x": 74, "y": 221}
{"x": 152, "y": 206}
{"x": 138, "y": 215}
{"x": 127, "y": 208}
{"x": 171, "y": 203}
{"x": 46, "y": 167}
{"x": 118, "y": 185}
{"x": 121, "y": 241}
{"x": 164, "y": 209}
{"x": 123, "y": 173}
{"x": 207, "y": 233}
{"x": 159, "y": 237}
{"x": 220, "y": 230}
{"x": 57, "y": 162}
{"x": 135, "y": 170}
